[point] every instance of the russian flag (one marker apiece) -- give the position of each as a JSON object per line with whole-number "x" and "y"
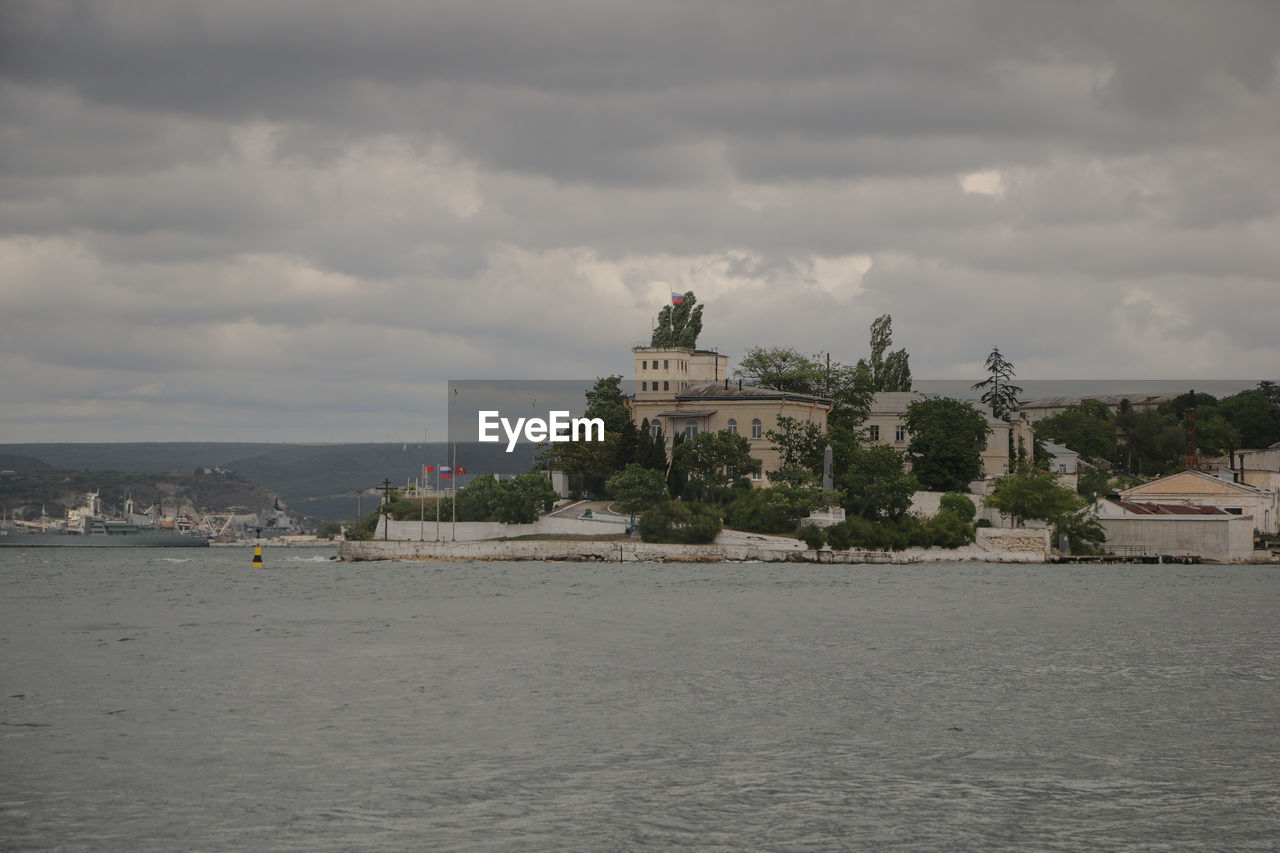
{"x": 677, "y": 298}
{"x": 445, "y": 472}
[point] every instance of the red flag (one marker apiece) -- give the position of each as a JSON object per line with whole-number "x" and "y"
{"x": 427, "y": 469}
{"x": 460, "y": 470}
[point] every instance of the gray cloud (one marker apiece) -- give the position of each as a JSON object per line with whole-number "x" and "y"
{"x": 297, "y": 220}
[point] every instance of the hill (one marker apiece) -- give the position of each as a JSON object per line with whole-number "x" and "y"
{"x": 317, "y": 480}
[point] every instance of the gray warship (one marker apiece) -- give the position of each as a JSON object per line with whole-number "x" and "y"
{"x": 85, "y": 527}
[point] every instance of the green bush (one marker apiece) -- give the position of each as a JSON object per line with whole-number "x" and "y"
{"x": 840, "y": 536}
{"x": 674, "y": 521}
{"x": 959, "y": 504}
{"x": 812, "y": 537}
{"x": 950, "y": 530}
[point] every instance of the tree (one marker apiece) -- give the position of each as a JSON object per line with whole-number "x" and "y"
{"x": 875, "y": 485}
{"x": 1255, "y": 416}
{"x": 884, "y": 371}
{"x": 801, "y": 447}
{"x": 477, "y": 500}
{"x": 947, "y": 440}
{"x": 712, "y": 460}
{"x": 651, "y": 450}
{"x": 677, "y": 475}
{"x": 679, "y": 325}
{"x": 776, "y": 509}
{"x": 606, "y": 400}
{"x": 637, "y": 488}
{"x": 1153, "y": 443}
{"x": 780, "y": 368}
{"x": 589, "y": 463}
{"x": 1086, "y": 427}
{"x": 998, "y": 392}
{"x": 522, "y": 498}
{"x": 1092, "y": 483}
{"x": 1084, "y": 532}
{"x": 785, "y": 369}
{"x": 1031, "y": 493}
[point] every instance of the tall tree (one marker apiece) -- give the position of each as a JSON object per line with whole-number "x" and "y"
{"x": 606, "y": 400}
{"x": 947, "y": 440}
{"x": 998, "y": 391}
{"x": 679, "y": 325}
{"x": 884, "y": 370}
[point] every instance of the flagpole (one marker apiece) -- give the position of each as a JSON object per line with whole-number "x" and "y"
{"x": 437, "y": 493}
{"x": 453, "y": 504}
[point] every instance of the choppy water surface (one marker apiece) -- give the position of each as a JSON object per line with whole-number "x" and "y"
{"x": 156, "y": 701}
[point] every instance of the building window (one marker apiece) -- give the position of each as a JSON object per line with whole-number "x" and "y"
{"x": 733, "y": 426}
{"x": 655, "y": 428}
{"x": 757, "y": 428}
{"x": 873, "y": 433}
{"x": 666, "y": 386}
{"x": 1234, "y": 510}
{"x": 644, "y": 386}
{"x": 1062, "y": 468}
{"x": 756, "y": 475}
{"x": 690, "y": 428}
{"x": 644, "y": 365}
{"x": 900, "y": 433}
{"x": 664, "y": 364}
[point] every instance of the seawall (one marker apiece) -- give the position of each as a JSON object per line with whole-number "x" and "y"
{"x": 1020, "y": 546}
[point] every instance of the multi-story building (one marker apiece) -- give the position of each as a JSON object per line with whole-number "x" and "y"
{"x": 687, "y": 391}
{"x": 885, "y": 425}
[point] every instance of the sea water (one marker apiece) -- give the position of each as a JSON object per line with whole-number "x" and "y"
{"x": 164, "y": 700}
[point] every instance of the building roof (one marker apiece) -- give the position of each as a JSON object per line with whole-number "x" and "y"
{"x": 1189, "y": 482}
{"x": 1142, "y": 508}
{"x": 1108, "y": 399}
{"x": 726, "y": 390}
{"x": 686, "y": 413}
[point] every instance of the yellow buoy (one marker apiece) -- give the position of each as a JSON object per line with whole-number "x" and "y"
{"x": 257, "y": 556}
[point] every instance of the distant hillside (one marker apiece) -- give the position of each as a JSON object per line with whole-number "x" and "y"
{"x": 15, "y": 462}
{"x": 317, "y": 480}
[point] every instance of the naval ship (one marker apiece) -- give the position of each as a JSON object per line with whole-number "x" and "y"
{"x": 84, "y": 526}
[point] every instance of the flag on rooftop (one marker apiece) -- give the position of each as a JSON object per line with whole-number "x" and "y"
{"x": 677, "y": 298}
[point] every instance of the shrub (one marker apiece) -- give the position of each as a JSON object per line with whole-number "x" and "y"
{"x": 674, "y": 521}
{"x": 950, "y": 530}
{"x": 959, "y": 504}
{"x": 812, "y": 537}
{"x": 839, "y": 536}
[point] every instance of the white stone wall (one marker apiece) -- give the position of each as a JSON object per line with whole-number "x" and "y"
{"x": 468, "y": 531}
{"x": 1005, "y": 550}
{"x": 1224, "y": 540}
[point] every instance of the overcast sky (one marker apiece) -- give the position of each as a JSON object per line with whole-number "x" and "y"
{"x": 295, "y": 221}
